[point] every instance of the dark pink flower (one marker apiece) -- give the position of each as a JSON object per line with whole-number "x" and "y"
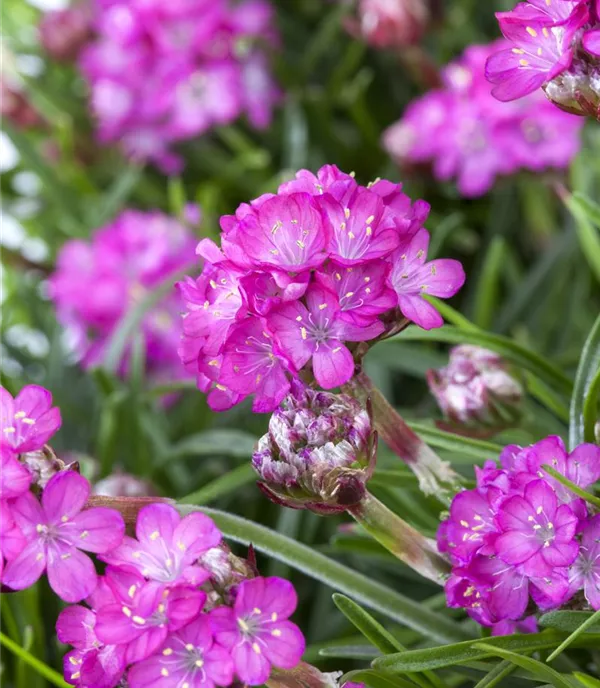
{"x": 14, "y": 477}
{"x": 167, "y": 545}
{"x": 316, "y": 332}
{"x": 56, "y": 531}
{"x": 256, "y": 630}
{"x": 411, "y": 277}
{"x": 536, "y": 532}
{"x": 12, "y": 540}
{"x": 144, "y": 612}
{"x": 28, "y": 421}
{"x": 584, "y": 574}
{"x": 190, "y": 657}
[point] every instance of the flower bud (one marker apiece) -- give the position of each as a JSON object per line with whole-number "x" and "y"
{"x": 17, "y": 109}
{"x": 318, "y": 453}
{"x": 393, "y": 23}
{"x": 476, "y": 392}
{"x": 226, "y": 571}
{"x": 64, "y": 32}
{"x": 43, "y": 464}
{"x": 123, "y": 485}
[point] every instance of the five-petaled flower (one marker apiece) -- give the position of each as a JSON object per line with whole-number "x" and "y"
{"x": 29, "y": 420}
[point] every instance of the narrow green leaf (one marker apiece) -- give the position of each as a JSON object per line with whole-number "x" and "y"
{"x": 223, "y": 485}
{"x": 451, "y": 315}
{"x": 316, "y": 565}
{"x": 374, "y": 679}
{"x": 497, "y": 674}
{"x": 366, "y": 652}
{"x": 116, "y": 195}
{"x": 176, "y": 194}
{"x": 488, "y": 285}
{"x": 43, "y": 669}
{"x": 590, "y": 409}
{"x": 133, "y": 319}
{"x": 588, "y": 623}
{"x": 235, "y": 443}
{"x": 571, "y": 486}
{"x": 440, "y": 439}
{"x": 589, "y": 237}
{"x": 459, "y": 653}
{"x": 536, "y": 668}
{"x": 506, "y": 347}
{"x": 586, "y": 680}
{"x": 568, "y": 621}
{"x": 581, "y": 429}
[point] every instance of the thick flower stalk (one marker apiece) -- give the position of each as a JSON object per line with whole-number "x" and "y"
{"x": 522, "y": 543}
{"x": 208, "y": 62}
{"x": 476, "y": 392}
{"x": 467, "y": 135}
{"x": 554, "y": 46}
{"x": 303, "y": 281}
{"x": 318, "y": 454}
{"x": 124, "y": 261}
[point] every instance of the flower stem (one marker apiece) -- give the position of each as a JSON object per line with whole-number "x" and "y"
{"x": 436, "y": 477}
{"x": 401, "y": 539}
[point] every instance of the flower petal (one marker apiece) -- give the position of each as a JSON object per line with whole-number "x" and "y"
{"x": 64, "y": 496}
{"x": 23, "y": 571}
{"x": 71, "y": 573}
{"x": 99, "y": 529}
{"x": 284, "y": 645}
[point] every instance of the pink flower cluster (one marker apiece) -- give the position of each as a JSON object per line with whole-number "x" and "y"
{"x": 163, "y": 72}
{"x": 394, "y": 24}
{"x": 96, "y": 282}
{"x": 302, "y": 273}
{"x": 469, "y": 136}
{"x": 154, "y": 616}
{"x": 521, "y": 539}
{"x": 555, "y": 45}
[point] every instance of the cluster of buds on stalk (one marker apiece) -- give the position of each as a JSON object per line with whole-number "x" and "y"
{"x": 476, "y": 392}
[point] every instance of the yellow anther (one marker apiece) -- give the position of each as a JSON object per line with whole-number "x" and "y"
{"x": 131, "y": 591}
{"x": 181, "y": 546}
{"x": 256, "y": 648}
{"x": 28, "y": 421}
{"x": 126, "y": 611}
{"x": 531, "y": 31}
{"x": 84, "y": 534}
{"x": 274, "y": 616}
{"x": 276, "y": 632}
{"x": 523, "y": 63}
{"x": 346, "y": 213}
{"x": 464, "y": 524}
{"x": 164, "y": 672}
{"x": 300, "y": 244}
{"x": 299, "y": 318}
{"x": 167, "y": 651}
{"x": 189, "y": 647}
{"x": 155, "y": 535}
{"x": 539, "y": 510}
{"x": 138, "y": 620}
{"x": 20, "y": 414}
{"x": 199, "y": 663}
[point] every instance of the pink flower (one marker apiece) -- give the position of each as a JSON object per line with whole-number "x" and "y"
{"x": 167, "y": 545}
{"x": 56, "y": 531}
{"x": 14, "y": 477}
{"x": 28, "y": 421}
{"x": 144, "y": 612}
{"x": 256, "y": 630}
{"x": 317, "y": 332}
{"x": 188, "y": 657}
{"x": 64, "y": 32}
{"x": 585, "y": 572}
{"x": 386, "y": 24}
{"x": 411, "y": 277}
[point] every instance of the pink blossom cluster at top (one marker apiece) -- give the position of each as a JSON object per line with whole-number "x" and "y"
{"x": 154, "y": 616}
{"x": 299, "y": 275}
{"x": 390, "y": 24}
{"x": 163, "y": 72}
{"x": 521, "y": 540}
{"x": 96, "y": 282}
{"x": 471, "y": 137}
{"x": 554, "y": 44}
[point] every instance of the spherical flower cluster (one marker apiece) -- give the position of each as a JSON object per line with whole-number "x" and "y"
{"x": 394, "y": 24}
{"x": 555, "y": 45}
{"x": 164, "y": 72}
{"x": 166, "y": 611}
{"x": 469, "y": 136}
{"x": 521, "y": 541}
{"x": 301, "y": 274}
{"x": 96, "y": 282}
{"x": 318, "y": 452}
{"x": 476, "y": 392}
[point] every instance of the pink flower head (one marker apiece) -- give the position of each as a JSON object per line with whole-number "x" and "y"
{"x": 317, "y": 332}
{"x": 256, "y": 630}
{"x": 124, "y": 261}
{"x": 14, "y": 477}
{"x": 29, "y": 420}
{"x": 56, "y": 530}
{"x": 585, "y": 572}
{"x": 64, "y": 32}
{"x": 411, "y": 277}
{"x": 144, "y": 612}
{"x": 387, "y": 24}
{"x": 189, "y": 657}
{"x": 167, "y": 545}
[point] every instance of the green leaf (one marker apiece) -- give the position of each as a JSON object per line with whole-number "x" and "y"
{"x": 316, "y": 565}
{"x": 506, "y": 347}
{"x": 568, "y": 621}
{"x": 43, "y": 669}
{"x": 586, "y": 680}
{"x": 176, "y": 194}
{"x": 571, "y": 486}
{"x": 235, "y": 443}
{"x": 538, "y": 669}
{"x": 133, "y": 319}
{"x": 488, "y": 285}
{"x": 116, "y": 195}
{"x": 478, "y": 449}
{"x": 497, "y": 674}
{"x": 588, "y": 623}
{"x": 583, "y": 403}
{"x": 365, "y": 652}
{"x": 459, "y": 653}
{"x": 589, "y": 237}
{"x": 374, "y": 679}
{"x": 221, "y": 486}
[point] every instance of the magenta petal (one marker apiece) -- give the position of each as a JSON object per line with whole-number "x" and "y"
{"x": 27, "y": 513}
{"x": 253, "y": 668}
{"x": 74, "y": 626}
{"x": 271, "y": 595}
{"x": 285, "y": 648}
{"x": 591, "y": 42}
{"x": 219, "y": 667}
{"x": 14, "y": 477}
{"x": 71, "y": 573}
{"x": 583, "y": 465}
{"x": 114, "y": 627}
{"x": 146, "y": 674}
{"x": 156, "y": 522}
{"x": 419, "y": 311}
{"x": 64, "y": 496}
{"x": 145, "y": 644}
{"x": 333, "y": 365}
{"x": 515, "y": 514}
{"x": 196, "y": 533}
{"x": 96, "y": 530}
{"x": 23, "y": 571}
{"x": 516, "y": 547}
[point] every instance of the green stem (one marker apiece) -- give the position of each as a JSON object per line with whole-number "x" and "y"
{"x": 401, "y": 539}
{"x": 435, "y": 476}
{"x": 43, "y": 669}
